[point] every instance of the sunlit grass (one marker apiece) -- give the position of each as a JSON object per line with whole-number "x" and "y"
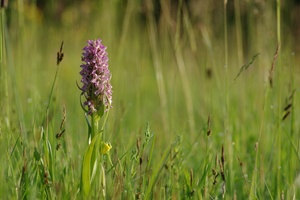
{"x": 168, "y": 78}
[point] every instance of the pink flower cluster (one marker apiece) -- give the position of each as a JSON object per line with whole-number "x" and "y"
{"x": 95, "y": 77}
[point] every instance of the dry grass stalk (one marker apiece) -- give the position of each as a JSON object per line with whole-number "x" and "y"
{"x": 243, "y": 171}
{"x": 214, "y": 171}
{"x": 271, "y": 72}
{"x": 246, "y": 66}
{"x": 223, "y": 190}
{"x": 222, "y": 163}
{"x": 256, "y": 146}
{"x": 208, "y": 132}
{"x": 60, "y": 54}
{"x": 288, "y": 107}
{"x": 61, "y": 129}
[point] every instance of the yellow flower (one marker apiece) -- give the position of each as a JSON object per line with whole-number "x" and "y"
{"x": 105, "y": 147}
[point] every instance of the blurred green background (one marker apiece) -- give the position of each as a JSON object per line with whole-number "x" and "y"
{"x": 173, "y": 64}
{"x": 150, "y": 81}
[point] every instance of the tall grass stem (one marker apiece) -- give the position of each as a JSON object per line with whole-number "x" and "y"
{"x": 183, "y": 71}
{"x": 279, "y": 71}
{"x": 152, "y": 30}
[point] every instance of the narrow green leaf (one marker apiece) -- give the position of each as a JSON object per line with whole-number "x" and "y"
{"x": 86, "y": 168}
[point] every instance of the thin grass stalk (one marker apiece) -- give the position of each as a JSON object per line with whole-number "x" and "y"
{"x": 225, "y": 39}
{"x": 238, "y": 30}
{"x": 183, "y": 72}
{"x": 226, "y": 117}
{"x": 259, "y": 144}
{"x": 189, "y": 27}
{"x": 278, "y": 176}
{"x": 12, "y": 75}
{"x": 151, "y": 26}
{"x": 252, "y": 193}
{"x": 186, "y": 88}
{"x": 3, "y": 74}
{"x": 226, "y": 68}
{"x": 52, "y": 87}
{"x": 253, "y": 190}
{"x": 50, "y": 155}
{"x": 20, "y": 6}
{"x": 292, "y": 122}
{"x": 125, "y": 27}
{"x": 209, "y": 46}
{"x": 1, "y": 38}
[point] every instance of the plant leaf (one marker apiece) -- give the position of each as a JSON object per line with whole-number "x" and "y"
{"x": 86, "y": 168}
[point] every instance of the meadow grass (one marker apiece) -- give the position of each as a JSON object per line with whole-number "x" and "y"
{"x": 194, "y": 115}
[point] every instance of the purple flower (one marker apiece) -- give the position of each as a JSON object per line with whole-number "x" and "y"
{"x": 96, "y": 77}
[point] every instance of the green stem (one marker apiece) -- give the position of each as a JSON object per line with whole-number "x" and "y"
{"x": 279, "y": 188}
{"x": 253, "y": 192}
{"x": 52, "y": 89}
{"x": 94, "y": 125}
{"x": 96, "y": 159}
{"x": 94, "y": 132}
{"x": 226, "y": 68}
{"x": 50, "y": 96}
